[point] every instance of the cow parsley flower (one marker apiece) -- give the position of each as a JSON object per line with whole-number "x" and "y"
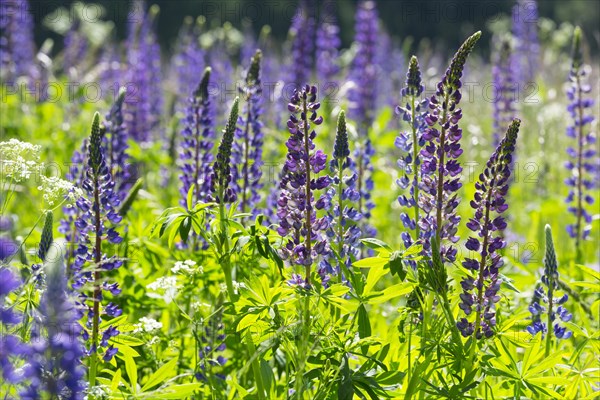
{"x": 147, "y": 325}
{"x": 167, "y": 286}
{"x": 18, "y": 160}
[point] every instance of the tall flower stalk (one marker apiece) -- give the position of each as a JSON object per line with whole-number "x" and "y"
{"x": 340, "y": 201}
{"x": 297, "y": 206}
{"x": 504, "y": 98}
{"x": 97, "y": 225}
{"x": 480, "y": 287}
{"x": 55, "y": 360}
{"x": 525, "y": 31}
{"x": 364, "y": 73}
{"x": 583, "y": 162}
{"x": 247, "y": 148}
{"x": 222, "y": 193}
{"x": 115, "y": 142}
{"x": 197, "y": 142}
{"x": 17, "y": 45}
{"x": 410, "y": 143}
{"x": 302, "y": 46}
{"x": 441, "y": 169}
{"x": 327, "y": 47}
{"x": 549, "y": 296}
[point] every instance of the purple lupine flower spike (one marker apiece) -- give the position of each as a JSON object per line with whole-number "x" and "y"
{"x": 363, "y": 97}
{"x": 302, "y": 46}
{"x": 505, "y": 93}
{"x": 340, "y": 202}
{"x": 143, "y": 106}
{"x": 197, "y": 142}
{"x": 75, "y": 48}
{"x": 115, "y": 143}
{"x": 525, "y": 31}
{"x": 96, "y": 224}
{"x": 11, "y": 346}
{"x": 440, "y": 168}
{"x": 328, "y": 43}
{"x": 55, "y": 360}
{"x": 188, "y": 61}
{"x": 410, "y": 143}
{"x": 247, "y": 148}
{"x": 297, "y": 205}
{"x": 480, "y": 287}
{"x": 549, "y": 297}
{"x": 583, "y": 163}
{"x": 220, "y": 180}
{"x": 17, "y": 46}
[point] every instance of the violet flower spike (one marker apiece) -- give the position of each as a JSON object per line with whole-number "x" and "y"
{"x": 505, "y": 90}
{"x": 297, "y": 206}
{"x": 197, "y": 142}
{"x": 302, "y": 46}
{"x": 249, "y": 136}
{"x": 546, "y": 302}
{"x": 340, "y": 202}
{"x": 440, "y": 168}
{"x": 410, "y": 143}
{"x": 584, "y": 164}
{"x": 480, "y": 288}
{"x": 97, "y": 222}
{"x": 527, "y": 50}
{"x": 115, "y": 142}
{"x": 55, "y": 360}
{"x": 220, "y": 180}
{"x": 327, "y": 47}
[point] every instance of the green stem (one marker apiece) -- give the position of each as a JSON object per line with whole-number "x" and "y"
{"x": 97, "y": 288}
{"x": 226, "y": 261}
{"x": 255, "y": 366}
{"x": 549, "y": 324}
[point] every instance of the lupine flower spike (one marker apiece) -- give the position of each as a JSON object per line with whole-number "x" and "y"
{"x": 115, "y": 141}
{"x": 340, "y": 201}
{"x": 98, "y": 213}
{"x": 247, "y": 148}
{"x": 220, "y": 180}
{"x": 328, "y": 44}
{"x": 197, "y": 142}
{"x": 584, "y": 162}
{"x": 480, "y": 287}
{"x": 550, "y": 298}
{"x": 441, "y": 169}
{"x": 410, "y": 143}
{"x": 55, "y": 360}
{"x": 302, "y": 46}
{"x": 504, "y": 97}
{"x": 297, "y": 205}
{"x": 525, "y": 31}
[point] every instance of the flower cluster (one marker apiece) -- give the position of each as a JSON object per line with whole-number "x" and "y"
{"x": 17, "y": 45}
{"x": 197, "y": 142}
{"x": 75, "y": 48}
{"x": 147, "y": 325}
{"x": 167, "y": 285}
{"x": 10, "y": 345}
{"x": 480, "y": 287}
{"x": 440, "y": 167}
{"x": 221, "y": 177}
{"x": 525, "y": 31}
{"x": 505, "y": 90}
{"x": 212, "y": 345}
{"x": 97, "y": 213}
{"x": 364, "y": 70}
{"x": 410, "y": 143}
{"x": 55, "y": 189}
{"x": 19, "y": 160}
{"x": 301, "y": 32}
{"x": 584, "y": 160}
{"x": 115, "y": 143}
{"x": 297, "y": 204}
{"x": 54, "y": 362}
{"x": 188, "y": 60}
{"x": 328, "y": 43}
{"x": 143, "y": 109}
{"x": 247, "y": 147}
{"x": 187, "y": 267}
{"x": 550, "y": 279}
{"x": 340, "y": 201}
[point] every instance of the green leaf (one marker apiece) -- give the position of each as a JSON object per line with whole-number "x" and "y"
{"x": 131, "y": 370}
{"x": 160, "y": 374}
{"x": 175, "y": 392}
{"x": 364, "y": 325}
{"x": 376, "y": 244}
{"x": 371, "y": 262}
{"x": 396, "y": 265}
{"x": 346, "y": 388}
